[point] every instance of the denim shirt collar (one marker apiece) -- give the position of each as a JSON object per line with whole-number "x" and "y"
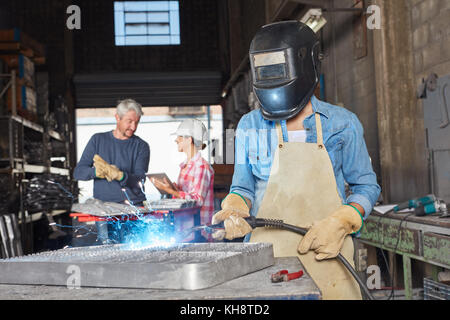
{"x": 317, "y": 106}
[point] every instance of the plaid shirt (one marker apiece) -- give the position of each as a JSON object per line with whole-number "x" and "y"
{"x": 196, "y": 182}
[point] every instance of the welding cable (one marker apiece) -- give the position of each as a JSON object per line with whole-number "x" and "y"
{"x": 391, "y": 276}
{"x": 399, "y": 235}
{"x": 279, "y": 224}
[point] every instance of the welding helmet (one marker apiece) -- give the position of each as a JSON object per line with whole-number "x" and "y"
{"x": 284, "y": 59}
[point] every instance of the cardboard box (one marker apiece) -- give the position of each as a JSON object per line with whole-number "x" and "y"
{"x": 23, "y": 65}
{"x": 26, "y": 101}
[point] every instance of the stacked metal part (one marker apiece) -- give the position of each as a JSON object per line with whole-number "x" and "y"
{"x": 9, "y": 196}
{"x": 10, "y": 241}
{"x": 33, "y": 151}
{"x": 49, "y": 192}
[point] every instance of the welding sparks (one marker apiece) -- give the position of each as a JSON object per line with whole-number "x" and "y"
{"x": 149, "y": 233}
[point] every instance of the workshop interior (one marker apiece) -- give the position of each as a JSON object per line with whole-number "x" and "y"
{"x": 69, "y": 219}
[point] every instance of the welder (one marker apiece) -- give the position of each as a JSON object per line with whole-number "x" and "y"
{"x": 293, "y": 156}
{"x": 116, "y": 160}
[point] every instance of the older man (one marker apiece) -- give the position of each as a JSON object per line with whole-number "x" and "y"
{"x": 117, "y": 160}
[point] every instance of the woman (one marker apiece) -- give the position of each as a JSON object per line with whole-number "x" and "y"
{"x": 196, "y": 178}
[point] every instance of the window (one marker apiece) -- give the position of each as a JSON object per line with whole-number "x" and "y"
{"x": 140, "y": 23}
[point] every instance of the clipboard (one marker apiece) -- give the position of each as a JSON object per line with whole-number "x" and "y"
{"x": 161, "y": 176}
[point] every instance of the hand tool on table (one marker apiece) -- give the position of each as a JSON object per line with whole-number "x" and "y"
{"x": 279, "y": 224}
{"x": 284, "y": 276}
{"x": 416, "y": 203}
{"x": 437, "y": 206}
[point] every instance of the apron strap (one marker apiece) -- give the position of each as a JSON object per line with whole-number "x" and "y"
{"x": 279, "y": 134}
{"x": 319, "y": 132}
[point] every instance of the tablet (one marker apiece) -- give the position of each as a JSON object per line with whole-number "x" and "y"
{"x": 160, "y": 176}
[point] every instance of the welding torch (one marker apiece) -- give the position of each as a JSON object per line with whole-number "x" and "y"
{"x": 279, "y": 224}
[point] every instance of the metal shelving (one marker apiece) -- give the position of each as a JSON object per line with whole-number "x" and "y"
{"x": 15, "y": 131}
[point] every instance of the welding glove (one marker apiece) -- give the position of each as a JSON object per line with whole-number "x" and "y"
{"x": 234, "y": 209}
{"x": 105, "y": 170}
{"x": 99, "y": 165}
{"x": 326, "y": 237}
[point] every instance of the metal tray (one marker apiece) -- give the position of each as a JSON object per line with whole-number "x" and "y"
{"x": 182, "y": 266}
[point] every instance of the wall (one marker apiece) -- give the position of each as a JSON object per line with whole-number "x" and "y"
{"x": 430, "y": 22}
{"x": 5, "y": 16}
{"x": 380, "y": 87}
{"x": 350, "y": 79}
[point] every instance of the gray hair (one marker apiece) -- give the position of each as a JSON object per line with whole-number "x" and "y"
{"x": 126, "y": 105}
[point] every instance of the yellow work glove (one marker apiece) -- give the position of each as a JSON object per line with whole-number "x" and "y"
{"x": 234, "y": 209}
{"x": 326, "y": 237}
{"x": 105, "y": 170}
{"x": 100, "y": 166}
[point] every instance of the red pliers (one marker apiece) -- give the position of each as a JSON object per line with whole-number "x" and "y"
{"x": 284, "y": 275}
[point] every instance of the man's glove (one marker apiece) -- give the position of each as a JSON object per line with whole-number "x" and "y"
{"x": 326, "y": 237}
{"x": 105, "y": 170}
{"x": 100, "y": 167}
{"x": 234, "y": 209}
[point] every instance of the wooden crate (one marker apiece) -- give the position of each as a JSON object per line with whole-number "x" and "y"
{"x": 16, "y": 40}
{"x": 26, "y": 105}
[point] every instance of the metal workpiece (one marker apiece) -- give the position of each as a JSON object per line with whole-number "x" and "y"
{"x": 10, "y": 241}
{"x": 181, "y": 266}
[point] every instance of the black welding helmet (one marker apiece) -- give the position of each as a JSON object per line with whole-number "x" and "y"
{"x": 284, "y": 58}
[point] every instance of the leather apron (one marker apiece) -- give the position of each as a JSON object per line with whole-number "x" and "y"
{"x": 302, "y": 189}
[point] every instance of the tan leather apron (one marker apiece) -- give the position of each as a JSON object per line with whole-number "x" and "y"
{"x": 302, "y": 189}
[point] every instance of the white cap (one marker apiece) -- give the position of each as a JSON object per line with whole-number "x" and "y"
{"x": 193, "y": 128}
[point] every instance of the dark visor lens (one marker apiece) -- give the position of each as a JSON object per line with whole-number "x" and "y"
{"x": 272, "y": 72}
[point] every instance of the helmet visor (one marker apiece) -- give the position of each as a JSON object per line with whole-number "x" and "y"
{"x": 270, "y": 66}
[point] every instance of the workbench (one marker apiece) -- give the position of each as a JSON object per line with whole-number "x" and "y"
{"x": 424, "y": 238}
{"x": 256, "y": 285}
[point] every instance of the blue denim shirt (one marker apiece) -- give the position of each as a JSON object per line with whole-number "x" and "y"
{"x": 256, "y": 142}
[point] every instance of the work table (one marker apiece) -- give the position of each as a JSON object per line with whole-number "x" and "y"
{"x": 256, "y": 285}
{"x": 425, "y": 238}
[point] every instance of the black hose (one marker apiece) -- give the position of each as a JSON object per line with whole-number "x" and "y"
{"x": 279, "y": 224}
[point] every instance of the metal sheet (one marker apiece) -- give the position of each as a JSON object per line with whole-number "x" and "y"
{"x": 4, "y": 240}
{"x": 183, "y": 266}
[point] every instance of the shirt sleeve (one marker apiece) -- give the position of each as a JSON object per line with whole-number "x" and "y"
{"x": 199, "y": 186}
{"x": 357, "y": 169}
{"x": 243, "y": 179}
{"x": 84, "y": 170}
{"x": 132, "y": 179}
